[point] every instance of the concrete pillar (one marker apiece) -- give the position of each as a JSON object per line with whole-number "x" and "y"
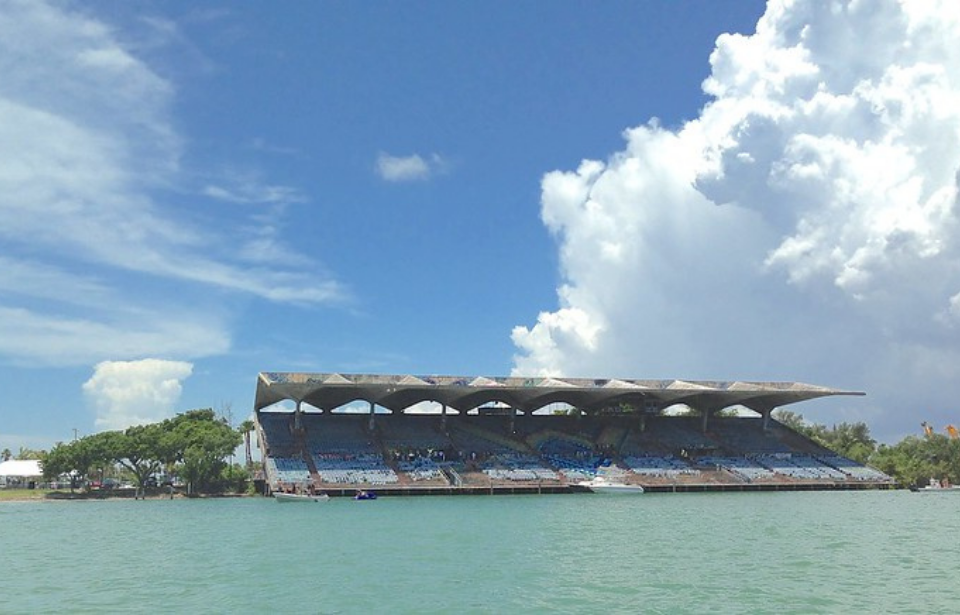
{"x": 705, "y": 414}
{"x": 513, "y": 424}
{"x": 372, "y": 423}
{"x": 297, "y": 423}
{"x": 765, "y": 413}
{"x": 643, "y": 422}
{"x": 443, "y": 417}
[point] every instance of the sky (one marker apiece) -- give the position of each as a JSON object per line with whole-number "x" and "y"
{"x": 191, "y": 194}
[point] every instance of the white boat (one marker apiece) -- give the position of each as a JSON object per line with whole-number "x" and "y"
{"x": 936, "y": 486}
{"x": 606, "y": 481}
{"x": 300, "y": 497}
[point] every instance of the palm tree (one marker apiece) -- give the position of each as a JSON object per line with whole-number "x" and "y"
{"x": 245, "y": 428}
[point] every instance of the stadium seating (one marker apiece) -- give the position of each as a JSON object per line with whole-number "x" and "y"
{"x": 288, "y": 470}
{"x": 660, "y": 467}
{"x": 853, "y": 469}
{"x": 424, "y": 450}
{"x": 740, "y": 466}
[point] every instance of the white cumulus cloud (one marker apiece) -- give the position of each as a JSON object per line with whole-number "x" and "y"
{"x": 805, "y": 226}
{"x": 126, "y": 393}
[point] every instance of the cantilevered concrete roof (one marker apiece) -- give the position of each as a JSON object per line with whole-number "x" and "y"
{"x": 464, "y": 393}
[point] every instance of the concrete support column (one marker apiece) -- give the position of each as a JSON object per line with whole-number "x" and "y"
{"x": 705, "y": 414}
{"x": 297, "y": 422}
{"x": 513, "y": 423}
{"x": 372, "y": 423}
{"x": 443, "y": 417}
{"x": 643, "y": 423}
{"x": 765, "y": 413}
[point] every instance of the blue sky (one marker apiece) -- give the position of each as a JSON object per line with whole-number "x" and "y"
{"x": 193, "y": 194}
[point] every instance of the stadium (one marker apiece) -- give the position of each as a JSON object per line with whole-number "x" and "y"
{"x": 436, "y": 435}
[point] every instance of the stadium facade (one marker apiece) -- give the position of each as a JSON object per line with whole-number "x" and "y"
{"x": 346, "y": 432}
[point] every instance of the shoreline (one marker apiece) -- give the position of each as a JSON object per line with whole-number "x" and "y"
{"x": 45, "y": 495}
{"x": 25, "y": 495}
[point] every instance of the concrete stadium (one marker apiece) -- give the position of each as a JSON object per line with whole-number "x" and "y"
{"x": 429, "y": 435}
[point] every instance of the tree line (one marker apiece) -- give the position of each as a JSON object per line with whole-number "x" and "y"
{"x": 194, "y": 446}
{"x": 912, "y": 461}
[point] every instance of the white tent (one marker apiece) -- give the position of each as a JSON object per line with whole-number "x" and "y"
{"x": 21, "y": 468}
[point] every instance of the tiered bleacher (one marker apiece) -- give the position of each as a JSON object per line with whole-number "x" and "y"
{"x": 289, "y": 469}
{"x": 739, "y": 466}
{"x": 344, "y": 452}
{"x": 660, "y": 467}
{"x": 854, "y": 470}
{"x": 574, "y": 459}
{"x": 421, "y": 469}
{"x": 799, "y": 466}
{"x": 517, "y": 467}
{"x": 346, "y": 468}
{"x": 470, "y": 450}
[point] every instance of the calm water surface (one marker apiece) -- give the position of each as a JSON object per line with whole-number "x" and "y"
{"x": 866, "y": 552}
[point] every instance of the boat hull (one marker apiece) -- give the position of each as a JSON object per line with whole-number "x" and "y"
{"x": 609, "y": 488}
{"x": 616, "y": 489}
{"x": 297, "y": 497}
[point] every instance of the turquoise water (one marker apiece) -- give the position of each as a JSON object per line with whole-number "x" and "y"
{"x": 864, "y": 552}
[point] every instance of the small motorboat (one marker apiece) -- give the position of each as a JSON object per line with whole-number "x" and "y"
{"x": 365, "y": 495}
{"x": 300, "y": 497}
{"x": 607, "y": 481}
{"x": 936, "y": 486}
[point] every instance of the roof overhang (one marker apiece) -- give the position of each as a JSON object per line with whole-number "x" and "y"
{"x": 398, "y": 392}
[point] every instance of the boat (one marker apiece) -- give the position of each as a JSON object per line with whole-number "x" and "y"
{"x": 606, "y": 481}
{"x": 935, "y": 486}
{"x": 365, "y": 495}
{"x": 300, "y": 497}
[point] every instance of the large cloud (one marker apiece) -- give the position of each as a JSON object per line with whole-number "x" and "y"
{"x": 803, "y": 227}
{"x": 126, "y": 393}
{"x": 91, "y": 182}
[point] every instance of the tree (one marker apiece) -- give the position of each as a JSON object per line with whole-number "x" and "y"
{"x": 852, "y": 440}
{"x": 139, "y": 449}
{"x": 6, "y": 455}
{"x": 29, "y": 453}
{"x": 203, "y": 442}
{"x": 75, "y": 458}
{"x": 914, "y": 461}
{"x": 793, "y": 420}
{"x": 245, "y": 428}
{"x": 58, "y": 460}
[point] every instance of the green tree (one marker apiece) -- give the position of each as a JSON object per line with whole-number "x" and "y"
{"x": 58, "y": 461}
{"x": 235, "y": 478}
{"x": 852, "y": 440}
{"x": 139, "y": 449}
{"x": 6, "y": 455}
{"x": 204, "y": 442}
{"x": 245, "y": 429}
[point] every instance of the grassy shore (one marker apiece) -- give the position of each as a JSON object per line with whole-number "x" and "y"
{"x": 22, "y": 495}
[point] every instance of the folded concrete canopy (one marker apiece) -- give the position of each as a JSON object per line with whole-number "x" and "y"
{"x": 396, "y": 393}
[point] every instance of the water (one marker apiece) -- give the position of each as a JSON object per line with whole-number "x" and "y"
{"x": 863, "y": 552}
